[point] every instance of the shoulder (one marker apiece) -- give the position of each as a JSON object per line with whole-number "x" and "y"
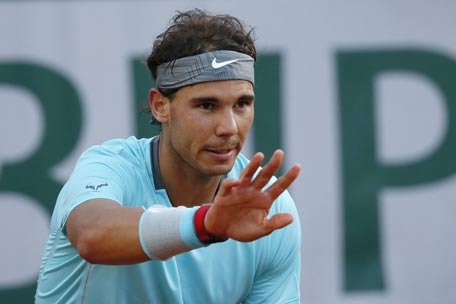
{"x": 130, "y": 151}
{"x": 112, "y": 160}
{"x": 110, "y": 170}
{"x": 117, "y": 147}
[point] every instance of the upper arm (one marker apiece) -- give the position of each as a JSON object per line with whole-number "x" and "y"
{"x": 93, "y": 210}
{"x": 84, "y": 216}
{"x": 95, "y": 177}
{"x": 104, "y": 232}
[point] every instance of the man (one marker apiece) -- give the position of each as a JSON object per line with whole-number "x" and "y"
{"x": 182, "y": 217}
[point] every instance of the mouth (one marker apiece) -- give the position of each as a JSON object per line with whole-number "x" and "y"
{"x": 221, "y": 154}
{"x": 220, "y": 151}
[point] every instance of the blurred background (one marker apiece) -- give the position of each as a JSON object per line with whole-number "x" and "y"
{"x": 361, "y": 93}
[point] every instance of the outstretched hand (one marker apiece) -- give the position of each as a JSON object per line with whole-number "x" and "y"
{"x": 241, "y": 206}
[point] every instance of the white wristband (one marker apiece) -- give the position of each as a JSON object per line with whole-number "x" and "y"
{"x": 165, "y": 232}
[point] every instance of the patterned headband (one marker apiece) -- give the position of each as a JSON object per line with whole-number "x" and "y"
{"x": 210, "y": 66}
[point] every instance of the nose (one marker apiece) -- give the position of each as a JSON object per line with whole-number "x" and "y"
{"x": 226, "y": 124}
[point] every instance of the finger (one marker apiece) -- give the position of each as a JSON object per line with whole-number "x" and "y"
{"x": 284, "y": 182}
{"x": 248, "y": 172}
{"x": 279, "y": 220}
{"x": 227, "y": 185}
{"x": 264, "y": 176}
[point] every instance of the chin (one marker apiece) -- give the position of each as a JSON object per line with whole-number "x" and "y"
{"x": 211, "y": 167}
{"x": 217, "y": 170}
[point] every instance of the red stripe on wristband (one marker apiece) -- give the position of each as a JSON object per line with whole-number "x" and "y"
{"x": 200, "y": 230}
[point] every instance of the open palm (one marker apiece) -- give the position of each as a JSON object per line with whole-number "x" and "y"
{"x": 241, "y": 207}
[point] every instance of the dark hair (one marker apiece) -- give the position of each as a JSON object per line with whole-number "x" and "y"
{"x": 195, "y": 32}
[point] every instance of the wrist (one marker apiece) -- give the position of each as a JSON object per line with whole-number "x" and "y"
{"x": 165, "y": 232}
{"x": 200, "y": 228}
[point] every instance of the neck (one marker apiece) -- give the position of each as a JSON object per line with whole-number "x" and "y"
{"x": 184, "y": 185}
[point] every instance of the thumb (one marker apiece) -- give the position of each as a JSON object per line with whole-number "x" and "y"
{"x": 279, "y": 220}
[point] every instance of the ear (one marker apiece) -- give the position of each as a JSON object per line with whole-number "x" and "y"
{"x": 159, "y": 105}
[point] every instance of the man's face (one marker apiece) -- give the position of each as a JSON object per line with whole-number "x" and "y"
{"x": 208, "y": 125}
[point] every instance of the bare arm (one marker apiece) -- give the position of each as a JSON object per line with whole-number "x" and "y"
{"x": 104, "y": 232}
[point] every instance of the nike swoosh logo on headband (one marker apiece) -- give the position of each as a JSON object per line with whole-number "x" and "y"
{"x": 218, "y": 65}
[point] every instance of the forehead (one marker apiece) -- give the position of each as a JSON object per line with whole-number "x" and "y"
{"x": 225, "y": 89}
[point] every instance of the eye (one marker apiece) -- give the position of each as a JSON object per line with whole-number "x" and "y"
{"x": 243, "y": 103}
{"x": 206, "y": 106}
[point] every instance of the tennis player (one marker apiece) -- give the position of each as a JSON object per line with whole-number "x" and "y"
{"x": 182, "y": 217}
